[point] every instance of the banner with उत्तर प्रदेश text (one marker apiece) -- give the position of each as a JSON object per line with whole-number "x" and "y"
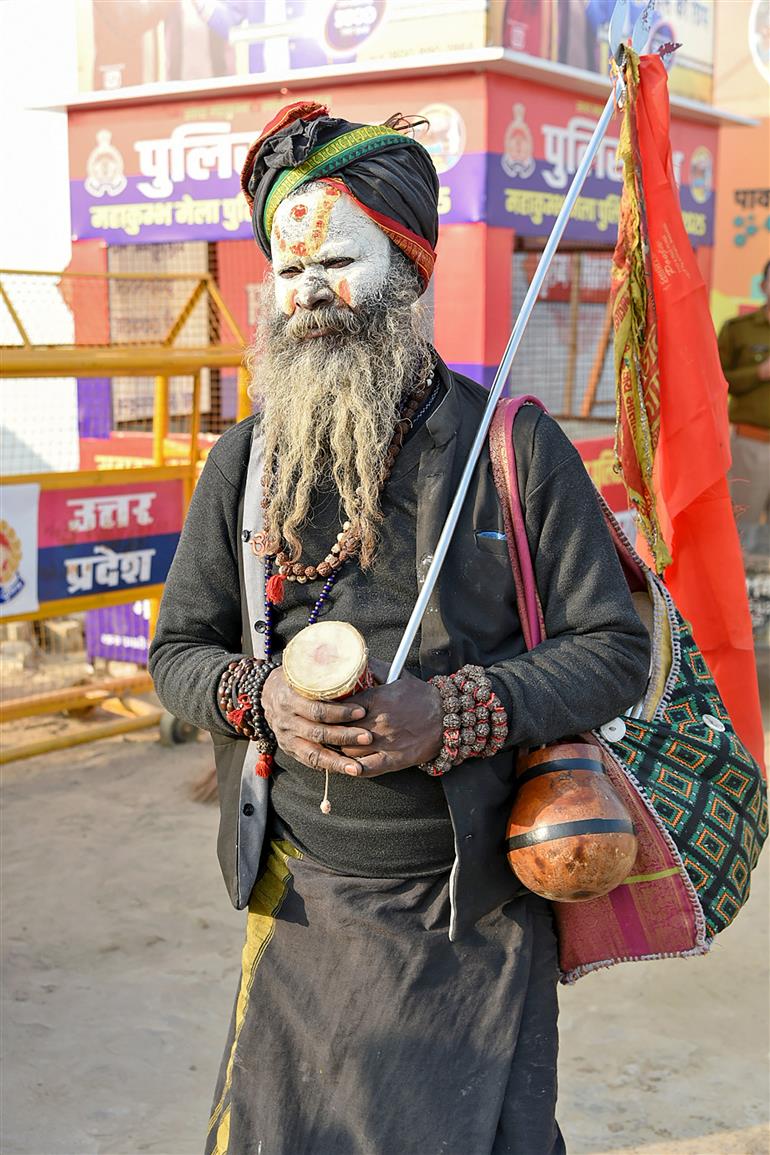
{"x": 97, "y": 540}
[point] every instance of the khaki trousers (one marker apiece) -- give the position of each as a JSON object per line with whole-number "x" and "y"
{"x": 750, "y": 492}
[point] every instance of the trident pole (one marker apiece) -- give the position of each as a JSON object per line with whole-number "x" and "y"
{"x": 501, "y": 376}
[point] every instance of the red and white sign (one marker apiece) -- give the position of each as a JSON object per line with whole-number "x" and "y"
{"x": 107, "y": 513}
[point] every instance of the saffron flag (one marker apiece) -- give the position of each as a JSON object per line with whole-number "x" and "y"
{"x": 672, "y": 429}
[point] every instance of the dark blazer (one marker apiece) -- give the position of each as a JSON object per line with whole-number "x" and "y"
{"x": 593, "y": 666}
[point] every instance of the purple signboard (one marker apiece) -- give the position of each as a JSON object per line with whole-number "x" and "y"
{"x": 505, "y": 152}
{"x": 119, "y": 633}
{"x": 530, "y": 207}
{"x": 94, "y": 406}
{"x": 215, "y": 210}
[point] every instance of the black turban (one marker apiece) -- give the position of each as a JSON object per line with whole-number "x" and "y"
{"x": 389, "y": 174}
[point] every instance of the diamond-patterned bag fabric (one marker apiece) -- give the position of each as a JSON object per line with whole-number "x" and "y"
{"x": 697, "y": 797}
{"x": 703, "y": 784}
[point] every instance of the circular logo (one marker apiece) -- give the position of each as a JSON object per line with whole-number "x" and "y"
{"x": 10, "y": 553}
{"x": 444, "y": 135}
{"x": 759, "y": 37}
{"x": 701, "y": 174}
{"x": 518, "y": 159}
{"x": 350, "y": 22}
{"x": 104, "y": 168}
{"x": 11, "y": 582}
{"x": 662, "y": 34}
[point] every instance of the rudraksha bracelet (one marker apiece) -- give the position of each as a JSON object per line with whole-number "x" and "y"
{"x": 240, "y": 702}
{"x": 474, "y": 720}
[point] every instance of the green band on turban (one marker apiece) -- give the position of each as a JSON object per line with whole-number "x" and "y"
{"x": 330, "y": 158}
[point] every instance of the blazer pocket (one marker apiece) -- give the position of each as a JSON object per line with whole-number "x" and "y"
{"x": 490, "y": 541}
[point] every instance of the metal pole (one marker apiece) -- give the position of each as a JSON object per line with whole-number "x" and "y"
{"x": 501, "y": 376}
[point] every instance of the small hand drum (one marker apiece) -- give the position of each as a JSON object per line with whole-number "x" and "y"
{"x": 328, "y": 661}
{"x": 570, "y": 838}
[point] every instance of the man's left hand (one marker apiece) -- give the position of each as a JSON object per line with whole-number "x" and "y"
{"x": 404, "y": 719}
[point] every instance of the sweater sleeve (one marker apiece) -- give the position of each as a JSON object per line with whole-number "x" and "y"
{"x": 595, "y": 661}
{"x": 199, "y": 627}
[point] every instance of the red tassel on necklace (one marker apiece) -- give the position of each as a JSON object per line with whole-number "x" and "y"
{"x": 263, "y": 765}
{"x": 274, "y": 589}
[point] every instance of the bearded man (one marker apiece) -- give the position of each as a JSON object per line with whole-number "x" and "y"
{"x": 398, "y": 989}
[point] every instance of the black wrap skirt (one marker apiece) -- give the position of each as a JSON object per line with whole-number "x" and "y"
{"x": 360, "y": 1029}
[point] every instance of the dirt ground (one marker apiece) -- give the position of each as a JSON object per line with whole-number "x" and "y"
{"x": 121, "y": 955}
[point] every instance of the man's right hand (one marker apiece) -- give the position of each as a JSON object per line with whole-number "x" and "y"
{"x": 763, "y": 372}
{"x": 307, "y": 729}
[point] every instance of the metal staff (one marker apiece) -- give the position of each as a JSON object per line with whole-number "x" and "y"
{"x": 616, "y": 32}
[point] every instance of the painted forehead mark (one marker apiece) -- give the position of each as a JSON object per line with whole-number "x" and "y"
{"x": 309, "y": 223}
{"x": 279, "y": 237}
{"x": 320, "y": 225}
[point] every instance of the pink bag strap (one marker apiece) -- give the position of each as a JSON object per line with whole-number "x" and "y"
{"x": 503, "y": 457}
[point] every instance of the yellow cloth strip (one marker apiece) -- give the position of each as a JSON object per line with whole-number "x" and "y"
{"x": 265, "y": 902}
{"x": 650, "y": 877}
{"x": 663, "y": 649}
{"x": 637, "y": 375}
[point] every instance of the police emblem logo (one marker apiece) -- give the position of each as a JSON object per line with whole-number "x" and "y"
{"x": 11, "y": 582}
{"x": 444, "y": 137}
{"x": 517, "y": 159}
{"x": 701, "y": 174}
{"x": 104, "y": 168}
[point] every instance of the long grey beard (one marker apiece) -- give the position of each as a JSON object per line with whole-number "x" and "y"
{"x": 329, "y": 405}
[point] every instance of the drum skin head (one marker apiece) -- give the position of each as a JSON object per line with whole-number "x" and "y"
{"x": 327, "y": 660}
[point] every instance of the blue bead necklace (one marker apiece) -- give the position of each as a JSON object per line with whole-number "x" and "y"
{"x": 270, "y": 607}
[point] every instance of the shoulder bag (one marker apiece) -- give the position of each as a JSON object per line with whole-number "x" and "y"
{"x": 697, "y": 797}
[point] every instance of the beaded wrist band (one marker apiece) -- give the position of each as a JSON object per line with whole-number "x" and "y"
{"x": 474, "y": 719}
{"x": 240, "y": 702}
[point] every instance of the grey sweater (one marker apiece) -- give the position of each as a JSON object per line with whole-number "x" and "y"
{"x": 394, "y": 825}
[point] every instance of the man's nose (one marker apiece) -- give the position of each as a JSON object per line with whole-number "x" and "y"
{"x": 314, "y": 291}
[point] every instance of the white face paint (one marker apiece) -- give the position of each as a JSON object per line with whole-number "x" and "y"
{"x": 325, "y": 247}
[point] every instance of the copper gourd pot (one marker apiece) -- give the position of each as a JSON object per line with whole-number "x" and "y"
{"x": 570, "y": 838}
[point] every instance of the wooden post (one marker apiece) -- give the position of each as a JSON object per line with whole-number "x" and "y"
{"x": 589, "y": 397}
